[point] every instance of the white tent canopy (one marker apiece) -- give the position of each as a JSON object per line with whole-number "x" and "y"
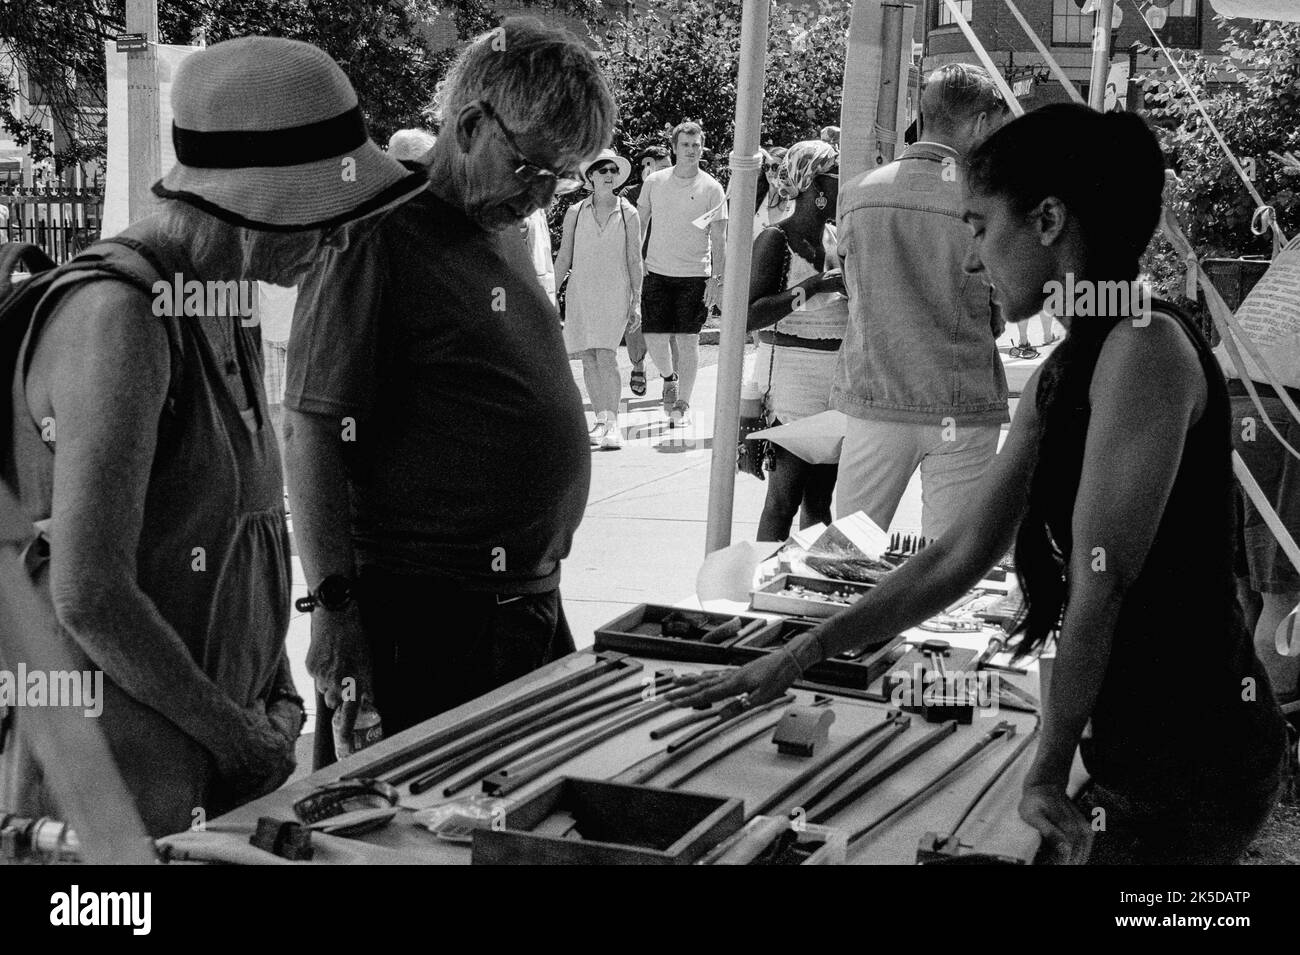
{"x": 1259, "y": 9}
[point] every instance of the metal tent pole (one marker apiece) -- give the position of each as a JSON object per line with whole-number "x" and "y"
{"x": 735, "y": 284}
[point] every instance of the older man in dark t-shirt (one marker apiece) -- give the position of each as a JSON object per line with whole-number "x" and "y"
{"x": 429, "y": 400}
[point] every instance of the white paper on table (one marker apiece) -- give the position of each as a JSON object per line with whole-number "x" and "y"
{"x": 816, "y": 439}
{"x": 860, "y": 531}
{"x": 804, "y": 538}
{"x": 728, "y": 574}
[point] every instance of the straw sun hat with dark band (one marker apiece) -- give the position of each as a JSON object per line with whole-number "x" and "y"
{"x": 269, "y": 136}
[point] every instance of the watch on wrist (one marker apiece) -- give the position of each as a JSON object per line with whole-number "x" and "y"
{"x": 335, "y": 592}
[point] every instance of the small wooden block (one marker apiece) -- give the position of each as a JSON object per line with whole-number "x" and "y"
{"x": 288, "y": 840}
{"x": 803, "y": 730}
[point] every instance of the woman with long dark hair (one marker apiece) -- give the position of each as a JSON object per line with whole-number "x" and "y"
{"x": 1115, "y": 483}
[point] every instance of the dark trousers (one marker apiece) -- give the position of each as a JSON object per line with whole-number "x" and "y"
{"x": 1180, "y": 831}
{"x": 791, "y": 485}
{"x": 434, "y": 646}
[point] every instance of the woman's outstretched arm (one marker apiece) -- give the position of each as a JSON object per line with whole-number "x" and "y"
{"x": 918, "y": 590}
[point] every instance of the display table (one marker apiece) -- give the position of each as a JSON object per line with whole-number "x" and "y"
{"x": 750, "y": 773}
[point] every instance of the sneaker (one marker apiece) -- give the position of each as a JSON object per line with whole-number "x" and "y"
{"x": 613, "y": 439}
{"x": 680, "y": 416}
{"x": 597, "y": 434}
{"x": 670, "y": 394}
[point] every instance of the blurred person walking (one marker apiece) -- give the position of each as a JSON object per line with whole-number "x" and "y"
{"x": 684, "y": 212}
{"x": 600, "y": 253}
{"x": 648, "y": 160}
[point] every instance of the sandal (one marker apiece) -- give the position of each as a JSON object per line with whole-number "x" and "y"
{"x": 636, "y": 381}
{"x": 1024, "y": 351}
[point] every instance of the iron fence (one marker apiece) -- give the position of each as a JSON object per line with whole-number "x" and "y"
{"x": 61, "y": 221}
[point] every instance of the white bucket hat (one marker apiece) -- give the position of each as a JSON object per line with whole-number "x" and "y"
{"x": 608, "y": 155}
{"x": 269, "y": 136}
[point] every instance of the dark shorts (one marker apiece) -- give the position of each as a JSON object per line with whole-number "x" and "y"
{"x": 1278, "y": 474}
{"x": 672, "y": 305}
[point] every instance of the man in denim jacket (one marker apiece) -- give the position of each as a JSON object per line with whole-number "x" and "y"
{"x": 919, "y": 374}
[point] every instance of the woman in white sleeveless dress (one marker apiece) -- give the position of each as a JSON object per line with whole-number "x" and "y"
{"x": 600, "y": 251}
{"x": 797, "y": 298}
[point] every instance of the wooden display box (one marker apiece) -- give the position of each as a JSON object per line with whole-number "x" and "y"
{"x": 851, "y": 670}
{"x": 817, "y": 845}
{"x": 619, "y": 825}
{"x": 773, "y": 598}
{"x": 640, "y": 631}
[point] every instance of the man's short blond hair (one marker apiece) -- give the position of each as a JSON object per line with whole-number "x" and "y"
{"x": 539, "y": 79}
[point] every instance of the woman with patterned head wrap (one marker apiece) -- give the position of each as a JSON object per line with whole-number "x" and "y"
{"x": 796, "y": 295}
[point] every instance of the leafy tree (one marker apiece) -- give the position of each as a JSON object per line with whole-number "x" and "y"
{"x": 59, "y": 45}
{"x": 679, "y": 59}
{"x": 377, "y": 42}
{"x": 1258, "y": 114}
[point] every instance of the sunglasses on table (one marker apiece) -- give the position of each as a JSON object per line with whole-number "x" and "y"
{"x": 528, "y": 171}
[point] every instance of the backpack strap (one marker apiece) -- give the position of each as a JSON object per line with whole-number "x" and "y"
{"x": 139, "y": 268}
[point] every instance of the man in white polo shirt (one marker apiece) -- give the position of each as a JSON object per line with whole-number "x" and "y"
{"x": 684, "y": 209}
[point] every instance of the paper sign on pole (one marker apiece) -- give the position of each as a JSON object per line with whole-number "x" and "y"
{"x": 117, "y": 182}
{"x": 1270, "y": 315}
{"x": 1117, "y": 87}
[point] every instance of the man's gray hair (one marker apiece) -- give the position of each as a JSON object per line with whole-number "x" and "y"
{"x": 539, "y": 79}
{"x": 957, "y": 93}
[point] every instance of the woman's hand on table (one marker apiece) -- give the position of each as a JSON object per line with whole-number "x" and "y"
{"x": 764, "y": 679}
{"x": 1065, "y": 829}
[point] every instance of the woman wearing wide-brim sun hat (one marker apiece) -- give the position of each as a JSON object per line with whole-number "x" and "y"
{"x": 601, "y": 253}
{"x": 172, "y": 573}
{"x": 269, "y": 135}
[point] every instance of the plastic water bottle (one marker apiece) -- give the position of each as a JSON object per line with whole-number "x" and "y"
{"x": 367, "y": 729}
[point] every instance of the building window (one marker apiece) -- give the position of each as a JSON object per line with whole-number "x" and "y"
{"x": 945, "y": 15}
{"x": 1183, "y": 28}
{"x": 1070, "y": 25}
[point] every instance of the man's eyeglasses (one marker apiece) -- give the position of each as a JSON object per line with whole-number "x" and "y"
{"x": 607, "y": 168}
{"x": 528, "y": 171}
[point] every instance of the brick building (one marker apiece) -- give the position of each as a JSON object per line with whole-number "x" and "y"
{"x": 1067, "y": 31}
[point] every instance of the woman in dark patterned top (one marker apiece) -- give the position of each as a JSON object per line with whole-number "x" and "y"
{"x": 1116, "y": 484}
